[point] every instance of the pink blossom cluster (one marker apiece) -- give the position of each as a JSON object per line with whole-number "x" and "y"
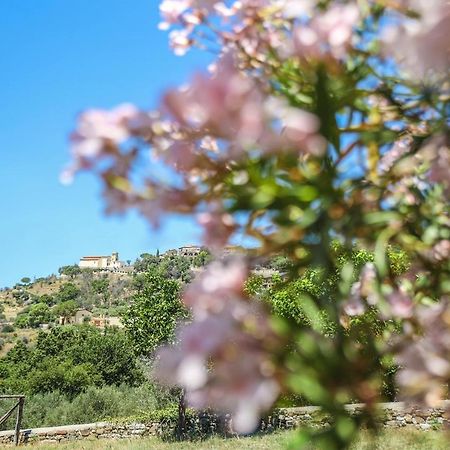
{"x": 233, "y": 109}
{"x": 395, "y": 302}
{"x": 255, "y": 27}
{"x": 436, "y": 154}
{"x": 328, "y": 33}
{"x": 412, "y": 170}
{"x": 394, "y": 154}
{"x": 425, "y": 362}
{"x": 421, "y": 44}
{"x": 218, "y": 227}
{"x": 440, "y": 252}
{"x": 223, "y": 359}
{"x": 201, "y": 129}
{"x": 100, "y": 132}
{"x": 361, "y": 292}
{"x": 188, "y": 15}
{"x": 302, "y": 29}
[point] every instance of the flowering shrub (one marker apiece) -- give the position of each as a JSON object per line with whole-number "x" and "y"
{"x": 319, "y": 121}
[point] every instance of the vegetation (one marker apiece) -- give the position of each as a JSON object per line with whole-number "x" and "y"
{"x": 70, "y": 271}
{"x": 388, "y": 440}
{"x": 93, "y": 405}
{"x": 34, "y": 315}
{"x": 154, "y": 312}
{"x": 69, "y": 360}
{"x": 68, "y": 364}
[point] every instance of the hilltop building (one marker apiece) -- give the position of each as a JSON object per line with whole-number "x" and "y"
{"x": 194, "y": 250}
{"x": 189, "y": 250}
{"x": 101, "y": 262}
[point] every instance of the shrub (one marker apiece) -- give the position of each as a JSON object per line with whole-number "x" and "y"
{"x": 96, "y": 404}
{"x": 7, "y": 328}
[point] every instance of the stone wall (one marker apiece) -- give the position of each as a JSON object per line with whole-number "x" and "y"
{"x": 391, "y": 415}
{"x": 394, "y": 414}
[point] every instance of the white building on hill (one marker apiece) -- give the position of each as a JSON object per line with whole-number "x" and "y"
{"x": 101, "y": 262}
{"x": 189, "y": 250}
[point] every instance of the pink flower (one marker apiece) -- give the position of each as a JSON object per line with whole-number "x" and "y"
{"x": 67, "y": 175}
{"x": 425, "y": 361}
{"x": 329, "y": 32}
{"x": 221, "y": 281}
{"x": 228, "y": 105}
{"x": 99, "y": 130}
{"x": 355, "y": 306}
{"x": 440, "y": 251}
{"x": 223, "y": 359}
{"x": 437, "y": 153}
{"x": 224, "y": 11}
{"x": 401, "y": 305}
{"x": 293, "y": 9}
{"x": 362, "y": 290}
{"x": 159, "y": 199}
{"x": 440, "y": 168}
{"x": 239, "y": 385}
{"x": 181, "y": 155}
{"x": 299, "y": 131}
{"x": 394, "y": 154}
{"x": 218, "y": 227}
{"x": 180, "y": 41}
{"x": 171, "y": 11}
{"x": 231, "y": 107}
{"x": 187, "y": 12}
{"x": 421, "y": 45}
{"x": 336, "y": 25}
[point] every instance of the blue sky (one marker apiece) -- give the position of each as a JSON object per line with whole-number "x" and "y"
{"x": 58, "y": 58}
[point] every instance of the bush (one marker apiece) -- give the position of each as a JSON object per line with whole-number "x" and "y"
{"x": 7, "y": 328}
{"x": 70, "y": 360}
{"x": 96, "y": 404}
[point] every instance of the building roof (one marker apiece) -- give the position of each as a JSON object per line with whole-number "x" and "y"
{"x": 94, "y": 257}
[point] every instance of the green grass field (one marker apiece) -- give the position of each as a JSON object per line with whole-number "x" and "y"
{"x": 398, "y": 439}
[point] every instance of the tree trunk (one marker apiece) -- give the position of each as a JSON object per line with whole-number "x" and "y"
{"x": 181, "y": 425}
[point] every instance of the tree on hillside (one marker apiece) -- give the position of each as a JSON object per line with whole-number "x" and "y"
{"x": 34, "y": 316}
{"x": 177, "y": 267}
{"x": 48, "y": 299}
{"x": 67, "y": 292}
{"x": 71, "y": 271}
{"x": 151, "y": 319}
{"x": 65, "y": 309}
{"x": 203, "y": 258}
{"x": 154, "y": 312}
{"x": 101, "y": 287}
{"x": 145, "y": 262}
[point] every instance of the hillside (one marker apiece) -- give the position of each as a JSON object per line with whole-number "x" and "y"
{"x": 78, "y": 294}
{"x": 99, "y": 296}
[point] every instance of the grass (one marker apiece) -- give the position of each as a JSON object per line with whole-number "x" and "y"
{"x": 394, "y": 439}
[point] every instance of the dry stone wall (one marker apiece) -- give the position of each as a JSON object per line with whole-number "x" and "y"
{"x": 391, "y": 415}
{"x": 394, "y": 415}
